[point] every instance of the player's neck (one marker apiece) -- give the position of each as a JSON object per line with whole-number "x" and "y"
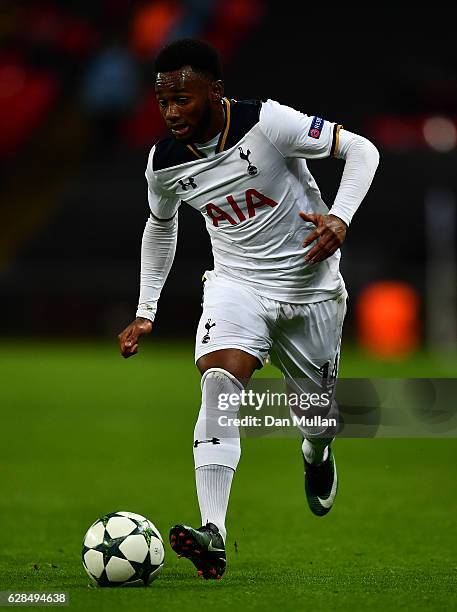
{"x": 216, "y": 123}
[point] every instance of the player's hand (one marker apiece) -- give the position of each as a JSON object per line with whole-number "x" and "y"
{"x": 128, "y": 339}
{"x": 329, "y": 234}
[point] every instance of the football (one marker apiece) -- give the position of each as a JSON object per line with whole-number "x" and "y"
{"x": 122, "y": 549}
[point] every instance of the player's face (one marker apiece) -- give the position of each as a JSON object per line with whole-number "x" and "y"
{"x": 187, "y": 101}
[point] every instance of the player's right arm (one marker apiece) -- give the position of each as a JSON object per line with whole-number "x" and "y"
{"x": 158, "y": 249}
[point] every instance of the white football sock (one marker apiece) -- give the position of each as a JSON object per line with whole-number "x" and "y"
{"x": 216, "y": 440}
{"x": 213, "y": 491}
{"x": 315, "y": 450}
{"x": 217, "y": 448}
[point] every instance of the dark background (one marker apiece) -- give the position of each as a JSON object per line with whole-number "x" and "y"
{"x": 78, "y": 118}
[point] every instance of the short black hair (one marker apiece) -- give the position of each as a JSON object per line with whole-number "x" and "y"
{"x": 198, "y": 54}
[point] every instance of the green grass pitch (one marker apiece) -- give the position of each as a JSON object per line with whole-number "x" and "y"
{"x": 85, "y": 433}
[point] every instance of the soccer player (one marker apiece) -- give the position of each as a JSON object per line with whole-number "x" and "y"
{"x": 275, "y": 289}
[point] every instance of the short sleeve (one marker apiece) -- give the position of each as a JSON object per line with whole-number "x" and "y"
{"x": 163, "y": 205}
{"x": 295, "y": 134}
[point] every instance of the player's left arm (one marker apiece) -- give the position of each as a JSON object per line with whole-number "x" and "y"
{"x": 361, "y": 160}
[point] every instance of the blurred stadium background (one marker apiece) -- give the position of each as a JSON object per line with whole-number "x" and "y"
{"x": 85, "y": 433}
{"x": 78, "y": 116}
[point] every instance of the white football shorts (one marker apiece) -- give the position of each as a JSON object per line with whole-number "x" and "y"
{"x": 302, "y": 340}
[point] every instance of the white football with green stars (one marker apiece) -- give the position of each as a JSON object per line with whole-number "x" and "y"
{"x": 123, "y": 549}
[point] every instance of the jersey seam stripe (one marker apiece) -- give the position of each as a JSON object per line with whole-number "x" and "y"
{"x": 337, "y": 143}
{"x": 221, "y": 144}
{"x": 335, "y": 140}
{"x": 195, "y": 151}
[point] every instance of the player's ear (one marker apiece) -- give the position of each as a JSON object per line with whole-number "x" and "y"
{"x": 217, "y": 91}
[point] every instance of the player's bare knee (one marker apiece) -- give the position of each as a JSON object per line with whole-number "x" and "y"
{"x": 238, "y": 363}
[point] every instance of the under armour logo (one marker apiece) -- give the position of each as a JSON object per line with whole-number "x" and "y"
{"x": 210, "y": 441}
{"x": 251, "y": 169}
{"x": 190, "y": 183}
{"x": 208, "y": 326}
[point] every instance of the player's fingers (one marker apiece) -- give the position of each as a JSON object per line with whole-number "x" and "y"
{"x": 134, "y": 349}
{"x": 309, "y": 257}
{"x": 135, "y": 332}
{"x": 325, "y": 233}
{"x": 129, "y": 351}
{"x": 130, "y": 343}
{"x": 319, "y": 257}
{"x": 121, "y": 339}
{"x": 310, "y": 217}
{"x": 317, "y": 233}
{"x": 310, "y": 238}
{"x": 325, "y": 247}
{"x": 320, "y": 254}
{"x": 126, "y": 332}
{"x": 132, "y": 337}
{"x": 126, "y": 339}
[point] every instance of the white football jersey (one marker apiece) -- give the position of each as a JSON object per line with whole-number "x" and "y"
{"x": 250, "y": 192}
